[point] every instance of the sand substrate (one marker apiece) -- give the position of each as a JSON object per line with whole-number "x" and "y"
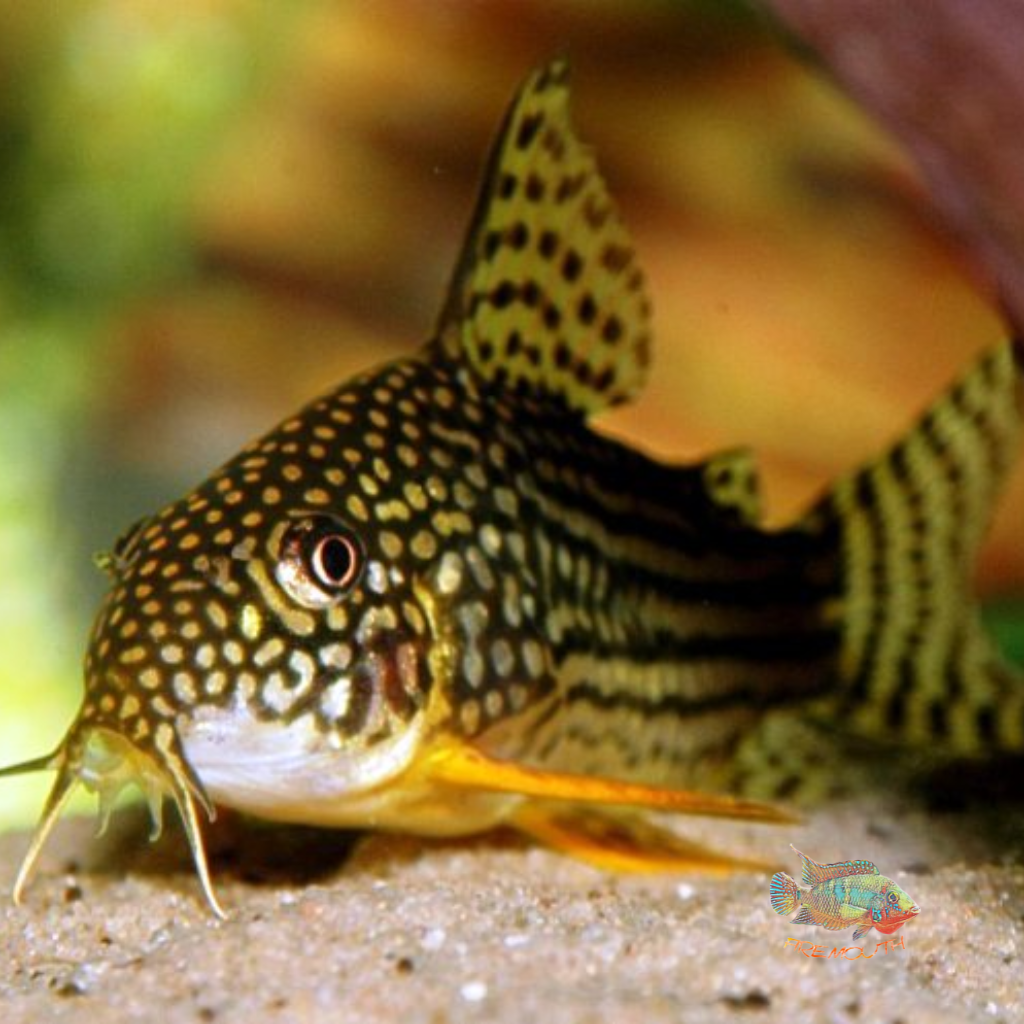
{"x": 324, "y": 927}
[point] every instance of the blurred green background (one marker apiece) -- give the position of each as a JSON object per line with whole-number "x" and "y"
{"x": 211, "y": 210}
{"x": 107, "y": 111}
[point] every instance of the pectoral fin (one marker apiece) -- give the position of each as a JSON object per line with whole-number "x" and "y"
{"x": 470, "y": 768}
{"x": 618, "y": 840}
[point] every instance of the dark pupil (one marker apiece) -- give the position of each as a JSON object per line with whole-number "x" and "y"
{"x": 334, "y": 559}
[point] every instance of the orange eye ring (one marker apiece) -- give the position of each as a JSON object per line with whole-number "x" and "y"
{"x": 321, "y": 559}
{"x": 334, "y": 561}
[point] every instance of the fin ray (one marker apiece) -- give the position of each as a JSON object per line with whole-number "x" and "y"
{"x": 466, "y": 767}
{"x": 614, "y": 840}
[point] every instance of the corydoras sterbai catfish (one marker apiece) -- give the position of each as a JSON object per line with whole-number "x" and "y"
{"x": 435, "y": 600}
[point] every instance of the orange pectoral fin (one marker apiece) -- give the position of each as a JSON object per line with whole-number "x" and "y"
{"x": 618, "y": 840}
{"x": 466, "y": 767}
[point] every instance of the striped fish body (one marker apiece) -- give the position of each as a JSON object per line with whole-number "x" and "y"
{"x": 436, "y": 600}
{"x": 836, "y": 896}
{"x": 666, "y": 622}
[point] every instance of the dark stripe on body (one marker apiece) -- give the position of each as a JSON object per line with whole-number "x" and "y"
{"x": 689, "y": 649}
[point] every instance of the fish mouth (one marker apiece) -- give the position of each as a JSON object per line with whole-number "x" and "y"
{"x": 914, "y": 911}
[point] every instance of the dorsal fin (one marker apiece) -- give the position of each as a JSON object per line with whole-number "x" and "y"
{"x": 547, "y": 296}
{"x": 814, "y": 873}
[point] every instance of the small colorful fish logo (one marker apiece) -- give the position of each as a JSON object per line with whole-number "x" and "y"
{"x": 836, "y": 896}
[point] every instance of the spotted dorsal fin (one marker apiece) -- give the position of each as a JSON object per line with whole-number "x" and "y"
{"x": 813, "y": 872}
{"x": 547, "y": 297}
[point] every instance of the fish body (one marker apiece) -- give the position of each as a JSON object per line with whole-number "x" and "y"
{"x": 836, "y": 896}
{"x": 436, "y": 600}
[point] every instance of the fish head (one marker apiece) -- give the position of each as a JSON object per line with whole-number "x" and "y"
{"x": 275, "y": 639}
{"x": 894, "y": 905}
{"x": 272, "y": 618}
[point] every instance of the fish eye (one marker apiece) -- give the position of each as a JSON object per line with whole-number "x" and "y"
{"x": 320, "y": 560}
{"x": 893, "y": 897}
{"x": 334, "y": 560}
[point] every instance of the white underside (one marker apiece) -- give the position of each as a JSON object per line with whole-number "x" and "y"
{"x": 292, "y": 772}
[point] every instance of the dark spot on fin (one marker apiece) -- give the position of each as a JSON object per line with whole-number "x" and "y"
{"x": 547, "y": 261}
{"x": 1018, "y": 353}
{"x": 527, "y": 131}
